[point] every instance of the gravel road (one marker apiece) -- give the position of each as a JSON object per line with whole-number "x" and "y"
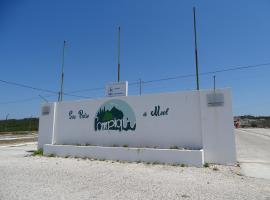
{"x": 27, "y": 177}
{"x": 253, "y": 151}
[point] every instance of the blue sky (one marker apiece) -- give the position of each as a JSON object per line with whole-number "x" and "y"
{"x": 156, "y": 42}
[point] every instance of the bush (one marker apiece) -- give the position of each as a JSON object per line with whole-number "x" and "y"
{"x": 206, "y": 164}
{"x": 38, "y": 152}
{"x": 174, "y": 147}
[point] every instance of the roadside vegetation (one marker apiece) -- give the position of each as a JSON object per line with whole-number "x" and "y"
{"x": 250, "y": 121}
{"x": 38, "y": 152}
{"x": 18, "y": 125}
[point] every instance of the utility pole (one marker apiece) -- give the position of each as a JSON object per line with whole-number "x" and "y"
{"x": 118, "y": 54}
{"x": 196, "y": 51}
{"x": 214, "y": 83}
{"x": 60, "y": 97}
{"x": 140, "y": 86}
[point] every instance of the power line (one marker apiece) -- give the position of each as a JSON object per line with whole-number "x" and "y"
{"x": 79, "y": 96}
{"x": 86, "y": 90}
{"x": 27, "y": 86}
{"x": 36, "y": 98}
{"x": 24, "y": 100}
{"x": 38, "y": 89}
{"x": 233, "y": 68}
{"x": 204, "y": 73}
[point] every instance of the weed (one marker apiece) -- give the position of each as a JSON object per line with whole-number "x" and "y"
{"x": 115, "y": 145}
{"x": 206, "y": 164}
{"x": 174, "y": 147}
{"x": 51, "y": 155}
{"x": 125, "y": 145}
{"x": 182, "y": 165}
{"x": 38, "y": 152}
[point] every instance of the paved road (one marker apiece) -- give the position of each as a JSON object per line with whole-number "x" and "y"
{"x": 9, "y": 138}
{"x": 253, "y": 152}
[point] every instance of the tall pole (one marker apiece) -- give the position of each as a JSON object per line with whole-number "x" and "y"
{"x": 62, "y": 74}
{"x": 118, "y": 54}
{"x": 196, "y": 51}
{"x": 214, "y": 83}
{"x": 140, "y": 87}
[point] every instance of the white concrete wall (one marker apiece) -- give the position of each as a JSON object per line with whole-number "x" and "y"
{"x": 181, "y": 127}
{"x": 190, "y": 123}
{"x": 46, "y": 125}
{"x": 217, "y": 129}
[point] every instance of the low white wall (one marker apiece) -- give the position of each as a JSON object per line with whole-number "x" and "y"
{"x": 170, "y": 156}
{"x": 46, "y": 124}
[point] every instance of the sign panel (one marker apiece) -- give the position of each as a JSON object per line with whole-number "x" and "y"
{"x": 116, "y": 89}
{"x": 168, "y": 120}
{"x": 215, "y": 99}
{"x": 156, "y": 120}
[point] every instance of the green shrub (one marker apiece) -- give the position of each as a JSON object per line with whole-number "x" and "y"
{"x": 38, "y": 152}
{"x": 206, "y": 164}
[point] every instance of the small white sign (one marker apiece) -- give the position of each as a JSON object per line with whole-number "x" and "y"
{"x": 116, "y": 89}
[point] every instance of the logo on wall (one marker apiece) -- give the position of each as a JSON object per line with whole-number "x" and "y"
{"x": 115, "y": 114}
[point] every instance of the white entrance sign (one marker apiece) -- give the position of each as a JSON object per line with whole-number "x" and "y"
{"x": 155, "y": 126}
{"x": 116, "y": 89}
